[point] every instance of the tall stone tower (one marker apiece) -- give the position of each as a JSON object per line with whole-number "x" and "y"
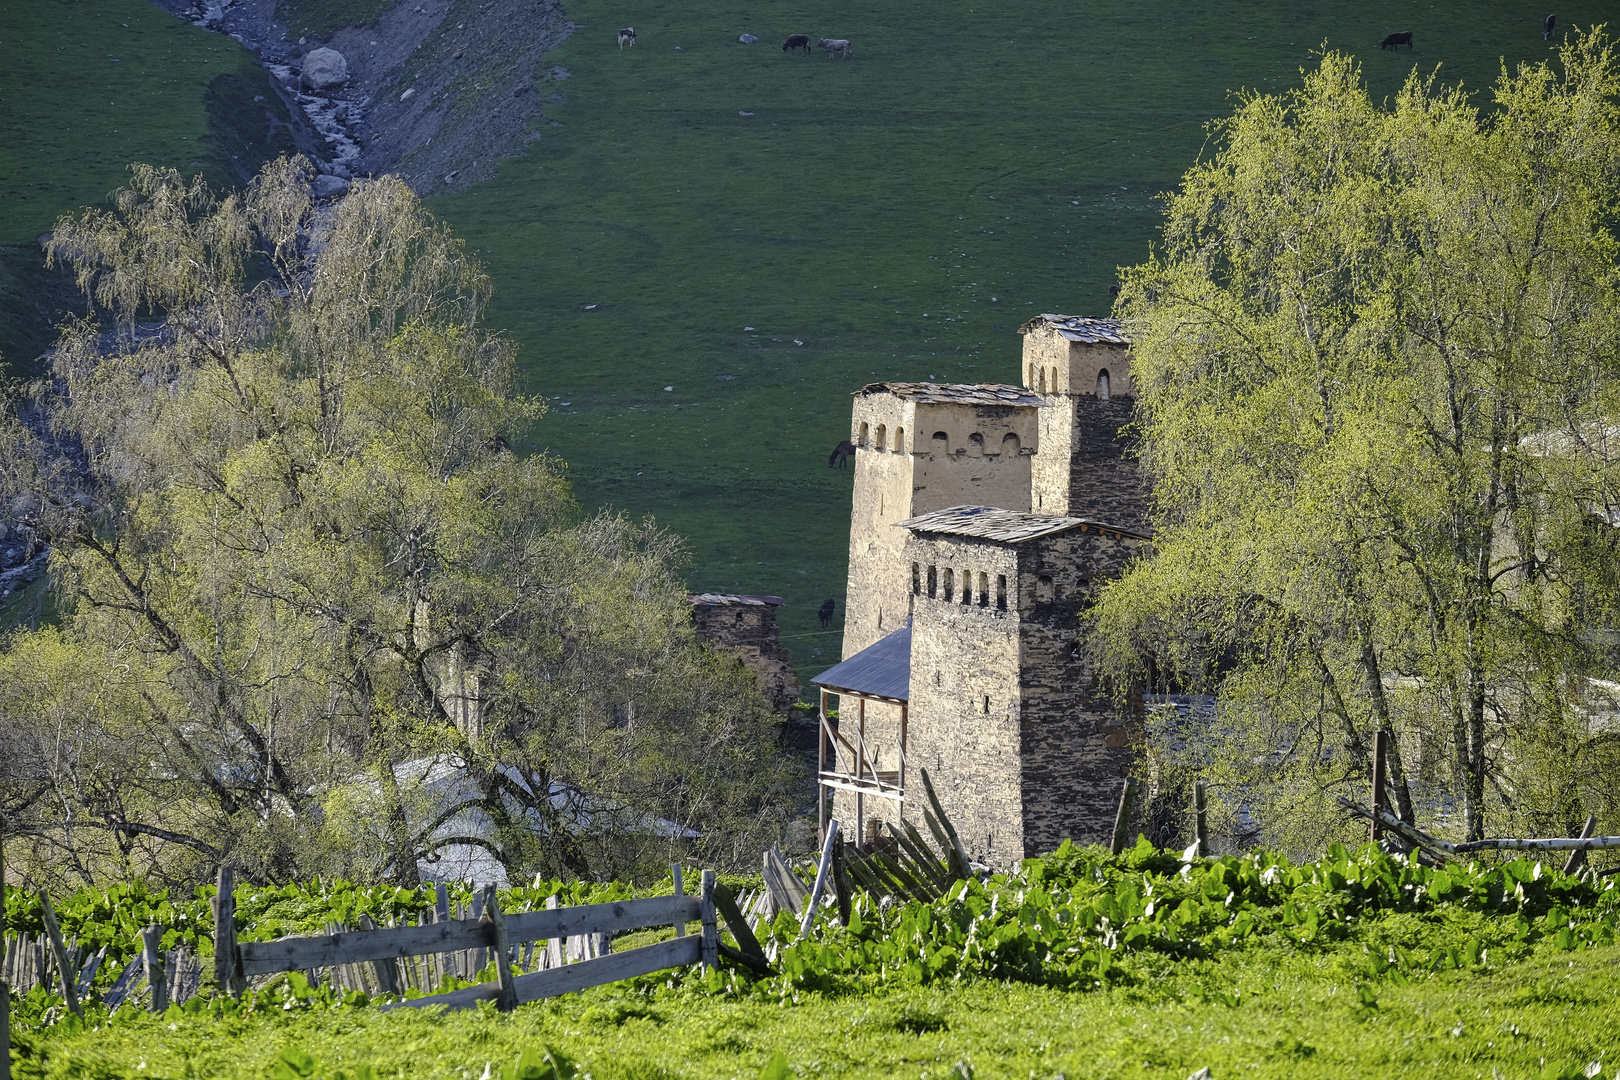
{"x": 1081, "y": 370}
{"x": 922, "y": 447}
{"x": 1005, "y": 711}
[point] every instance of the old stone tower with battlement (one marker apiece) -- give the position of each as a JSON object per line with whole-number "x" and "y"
{"x": 983, "y": 519}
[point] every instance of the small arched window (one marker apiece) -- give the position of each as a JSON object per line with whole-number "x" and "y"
{"x": 967, "y": 587}
{"x": 942, "y": 444}
{"x": 1010, "y": 444}
{"x": 976, "y": 444}
{"x": 933, "y": 579}
{"x": 984, "y": 589}
{"x": 916, "y": 579}
{"x": 1043, "y": 381}
{"x": 880, "y": 439}
{"x": 862, "y": 441}
{"x": 899, "y": 440}
{"x": 1102, "y": 384}
{"x": 1001, "y": 591}
{"x": 950, "y": 583}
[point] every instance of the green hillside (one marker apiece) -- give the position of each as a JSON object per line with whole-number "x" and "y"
{"x": 899, "y": 213}
{"x": 88, "y": 86}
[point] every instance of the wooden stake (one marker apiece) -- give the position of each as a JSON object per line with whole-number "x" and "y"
{"x": 1200, "y": 819}
{"x": 711, "y": 929}
{"x": 1380, "y": 757}
{"x": 501, "y": 946}
{"x": 227, "y": 961}
{"x": 152, "y": 953}
{"x": 813, "y": 904}
{"x": 840, "y": 873}
{"x": 1578, "y": 856}
{"x": 680, "y": 889}
{"x": 1122, "y": 820}
{"x": 59, "y": 954}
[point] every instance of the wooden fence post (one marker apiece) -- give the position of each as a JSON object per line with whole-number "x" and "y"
{"x": 1380, "y": 757}
{"x": 1578, "y": 856}
{"x": 227, "y": 961}
{"x": 680, "y": 889}
{"x": 59, "y": 954}
{"x": 1122, "y": 820}
{"x": 501, "y": 946}
{"x": 711, "y": 931}
{"x": 5, "y": 986}
{"x": 840, "y": 873}
{"x": 1200, "y": 819}
{"x": 156, "y": 981}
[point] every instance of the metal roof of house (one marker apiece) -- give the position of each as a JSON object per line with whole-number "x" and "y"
{"x": 1008, "y": 526}
{"x": 1090, "y": 331}
{"x": 881, "y": 670}
{"x": 953, "y": 393}
{"x": 715, "y": 599}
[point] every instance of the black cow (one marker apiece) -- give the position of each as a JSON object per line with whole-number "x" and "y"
{"x": 797, "y": 41}
{"x": 825, "y": 613}
{"x": 1547, "y": 28}
{"x": 1402, "y": 38}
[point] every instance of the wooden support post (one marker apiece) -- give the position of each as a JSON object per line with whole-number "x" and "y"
{"x": 1578, "y": 856}
{"x": 680, "y": 889}
{"x": 841, "y": 887}
{"x": 860, "y": 766}
{"x": 501, "y": 946}
{"x": 156, "y": 980}
{"x": 1380, "y": 757}
{"x": 821, "y": 767}
{"x": 1122, "y": 820}
{"x": 711, "y": 929}
{"x": 5, "y": 985}
{"x": 1200, "y": 819}
{"x": 227, "y": 960}
{"x": 59, "y": 954}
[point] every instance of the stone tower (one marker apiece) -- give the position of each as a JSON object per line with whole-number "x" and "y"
{"x": 1006, "y": 715}
{"x": 922, "y": 447}
{"x": 1081, "y": 370}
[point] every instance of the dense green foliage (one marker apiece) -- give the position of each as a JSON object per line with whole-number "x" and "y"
{"x": 1377, "y": 367}
{"x": 1325, "y": 965}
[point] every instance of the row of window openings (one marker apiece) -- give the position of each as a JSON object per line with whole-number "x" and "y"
{"x": 1041, "y": 378}
{"x": 878, "y": 440}
{"x": 950, "y": 592}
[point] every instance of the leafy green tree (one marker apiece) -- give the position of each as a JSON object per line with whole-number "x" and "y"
{"x": 322, "y": 619}
{"x": 1376, "y": 360}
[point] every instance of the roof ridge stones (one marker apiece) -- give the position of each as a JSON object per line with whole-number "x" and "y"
{"x": 1008, "y": 526}
{"x": 954, "y": 393}
{"x": 1078, "y": 328}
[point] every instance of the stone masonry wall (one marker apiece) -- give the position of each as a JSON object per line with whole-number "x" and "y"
{"x": 1074, "y": 742}
{"x": 1104, "y": 483}
{"x": 965, "y": 697}
{"x": 749, "y": 632}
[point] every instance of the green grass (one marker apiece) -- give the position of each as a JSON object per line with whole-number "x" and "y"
{"x": 88, "y": 86}
{"x": 1291, "y": 1018}
{"x": 900, "y": 213}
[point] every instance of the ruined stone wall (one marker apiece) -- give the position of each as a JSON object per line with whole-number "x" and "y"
{"x": 1074, "y": 743}
{"x": 749, "y": 632}
{"x": 965, "y": 696}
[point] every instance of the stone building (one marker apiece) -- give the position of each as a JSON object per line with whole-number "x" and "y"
{"x": 745, "y": 626}
{"x": 983, "y": 519}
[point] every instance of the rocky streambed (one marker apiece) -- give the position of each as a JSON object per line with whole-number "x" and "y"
{"x": 437, "y": 91}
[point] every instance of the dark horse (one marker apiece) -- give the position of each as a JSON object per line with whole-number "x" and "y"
{"x": 825, "y": 613}
{"x": 1547, "y": 28}
{"x": 845, "y": 449}
{"x": 1402, "y": 38}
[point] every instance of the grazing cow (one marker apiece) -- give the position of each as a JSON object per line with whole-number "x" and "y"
{"x": 835, "y": 45}
{"x": 1547, "y": 28}
{"x": 845, "y": 449}
{"x": 1402, "y": 38}
{"x": 797, "y": 41}
{"x": 825, "y": 613}
{"x": 627, "y": 36}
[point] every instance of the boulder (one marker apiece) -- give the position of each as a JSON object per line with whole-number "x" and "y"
{"x": 324, "y": 69}
{"x": 330, "y": 187}
{"x": 748, "y": 39}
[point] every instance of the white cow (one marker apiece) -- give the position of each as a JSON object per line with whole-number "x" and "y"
{"x": 627, "y": 36}
{"x": 839, "y": 46}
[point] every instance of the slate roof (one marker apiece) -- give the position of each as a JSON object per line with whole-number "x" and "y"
{"x": 715, "y": 599}
{"x": 953, "y": 393}
{"x": 880, "y": 670}
{"x": 1090, "y": 331}
{"x": 1008, "y": 526}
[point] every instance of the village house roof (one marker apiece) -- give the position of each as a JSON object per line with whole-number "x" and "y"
{"x": 715, "y": 599}
{"x": 1075, "y": 328}
{"x": 1008, "y": 526}
{"x": 953, "y": 393}
{"x": 881, "y": 670}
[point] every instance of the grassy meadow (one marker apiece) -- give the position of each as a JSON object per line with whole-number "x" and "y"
{"x": 893, "y": 216}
